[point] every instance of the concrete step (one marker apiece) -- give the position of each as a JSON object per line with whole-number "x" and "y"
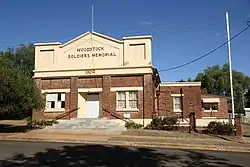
{"x": 81, "y": 124}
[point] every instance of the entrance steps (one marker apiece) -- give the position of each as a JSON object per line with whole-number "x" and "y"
{"x": 87, "y": 124}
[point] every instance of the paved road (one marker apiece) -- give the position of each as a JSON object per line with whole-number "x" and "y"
{"x": 38, "y": 154}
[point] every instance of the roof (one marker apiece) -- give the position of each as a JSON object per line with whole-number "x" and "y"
{"x": 138, "y": 37}
{"x": 97, "y": 34}
{"x": 180, "y": 84}
{"x": 212, "y": 96}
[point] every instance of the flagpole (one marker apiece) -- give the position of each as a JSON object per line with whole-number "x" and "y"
{"x": 230, "y": 64}
{"x": 92, "y": 28}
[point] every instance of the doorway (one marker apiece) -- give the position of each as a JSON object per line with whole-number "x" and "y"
{"x": 92, "y": 106}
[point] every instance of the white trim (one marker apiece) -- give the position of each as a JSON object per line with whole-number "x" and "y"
{"x": 107, "y": 37}
{"x": 180, "y": 84}
{"x": 210, "y": 100}
{"x": 75, "y": 39}
{"x": 127, "y": 109}
{"x": 115, "y": 89}
{"x": 139, "y": 121}
{"x": 177, "y": 95}
{"x": 138, "y": 37}
{"x": 177, "y": 110}
{"x": 202, "y": 122}
{"x": 247, "y": 109}
{"x": 127, "y": 103}
{"x": 55, "y": 90}
{"x": 89, "y": 89}
{"x": 98, "y": 72}
{"x": 54, "y": 110}
{"x": 210, "y": 110}
{"x": 208, "y": 117}
{"x": 49, "y": 43}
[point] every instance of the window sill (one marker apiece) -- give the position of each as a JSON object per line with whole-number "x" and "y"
{"x": 54, "y": 110}
{"x": 210, "y": 110}
{"x": 127, "y": 109}
{"x": 177, "y": 111}
{"x": 209, "y": 117}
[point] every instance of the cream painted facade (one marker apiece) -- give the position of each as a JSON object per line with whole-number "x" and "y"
{"x": 94, "y": 59}
{"x": 94, "y": 54}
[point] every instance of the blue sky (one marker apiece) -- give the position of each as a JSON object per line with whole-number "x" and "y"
{"x": 182, "y": 30}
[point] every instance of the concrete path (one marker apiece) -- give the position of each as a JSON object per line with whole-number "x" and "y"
{"x": 49, "y": 154}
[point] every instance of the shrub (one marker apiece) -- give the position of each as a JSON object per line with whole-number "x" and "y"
{"x": 220, "y": 128}
{"x": 165, "y": 123}
{"x": 133, "y": 125}
{"x": 33, "y": 123}
{"x": 29, "y": 122}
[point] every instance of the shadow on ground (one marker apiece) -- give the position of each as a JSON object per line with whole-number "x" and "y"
{"x": 7, "y": 128}
{"x": 115, "y": 156}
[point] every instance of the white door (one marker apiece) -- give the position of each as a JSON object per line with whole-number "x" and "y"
{"x": 92, "y": 106}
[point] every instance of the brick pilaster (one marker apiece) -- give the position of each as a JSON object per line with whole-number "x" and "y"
{"x": 239, "y": 125}
{"x": 38, "y": 114}
{"x": 148, "y": 96}
{"x": 38, "y": 83}
{"x": 106, "y": 95}
{"x": 73, "y": 96}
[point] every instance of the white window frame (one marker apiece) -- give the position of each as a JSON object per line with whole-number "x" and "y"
{"x": 211, "y": 108}
{"x": 176, "y": 96}
{"x": 55, "y": 109}
{"x": 127, "y": 101}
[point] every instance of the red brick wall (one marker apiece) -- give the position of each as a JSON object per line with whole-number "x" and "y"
{"x": 89, "y": 82}
{"x": 133, "y": 114}
{"x": 129, "y": 81}
{"x": 222, "y": 109}
{"x": 73, "y": 97}
{"x": 55, "y": 83}
{"x": 108, "y": 97}
{"x": 149, "y": 96}
{"x": 36, "y": 115}
{"x": 191, "y": 100}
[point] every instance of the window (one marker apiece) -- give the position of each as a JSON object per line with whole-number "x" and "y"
{"x": 55, "y": 100}
{"x": 177, "y": 104}
{"x": 121, "y": 100}
{"x": 210, "y": 106}
{"x": 127, "y": 100}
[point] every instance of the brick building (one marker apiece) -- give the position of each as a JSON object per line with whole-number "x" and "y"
{"x": 99, "y": 75}
{"x": 96, "y": 76}
{"x": 183, "y": 98}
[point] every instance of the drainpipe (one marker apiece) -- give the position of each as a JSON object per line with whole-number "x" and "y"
{"x": 181, "y": 91}
{"x": 143, "y": 102}
{"x": 158, "y": 102}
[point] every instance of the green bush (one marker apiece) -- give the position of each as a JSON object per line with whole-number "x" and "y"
{"x": 33, "y": 123}
{"x": 220, "y": 128}
{"x": 133, "y": 125}
{"x": 165, "y": 123}
{"x": 29, "y": 122}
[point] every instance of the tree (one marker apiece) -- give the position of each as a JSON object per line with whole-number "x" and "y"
{"x": 23, "y": 57}
{"x": 215, "y": 80}
{"x": 247, "y": 96}
{"x": 18, "y": 92}
{"x": 189, "y": 80}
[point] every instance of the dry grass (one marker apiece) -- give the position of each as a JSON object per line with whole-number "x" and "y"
{"x": 158, "y": 133}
